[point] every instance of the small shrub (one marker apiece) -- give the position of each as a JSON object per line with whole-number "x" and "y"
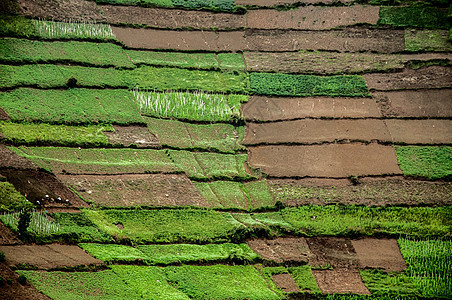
{"x": 24, "y": 222}
{"x": 22, "y": 279}
{"x": 2, "y": 257}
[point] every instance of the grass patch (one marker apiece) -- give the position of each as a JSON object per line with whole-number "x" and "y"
{"x": 231, "y": 61}
{"x": 383, "y": 284}
{"x": 203, "y": 61}
{"x": 73, "y": 106}
{"x": 144, "y": 3}
{"x": 427, "y": 40}
{"x": 56, "y": 135}
{"x": 220, "y": 282}
{"x": 430, "y": 162}
{"x": 197, "y": 106}
{"x": 111, "y": 253}
{"x": 304, "y": 279}
{"x": 98, "y": 160}
{"x": 32, "y": 51}
{"x": 11, "y": 199}
{"x": 223, "y": 194}
{"x": 12, "y": 25}
{"x": 308, "y": 85}
{"x": 215, "y": 5}
{"x": 258, "y": 194}
{"x": 168, "y": 226}
{"x": 425, "y": 17}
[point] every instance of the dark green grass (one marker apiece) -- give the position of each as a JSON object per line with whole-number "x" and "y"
{"x": 98, "y": 160}
{"x": 304, "y": 279}
{"x": 307, "y": 85}
{"x": 383, "y": 284}
{"x": 55, "y": 135}
{"x": 430, "y": 162}
{"x": 12, "y": 25}
{"x": 220, "y": 282}
{"x": 215, "y": 5}
{"x": 203, "y": 61}
{"x": 73, "y": 106}
{"x": 168, "y": 226}
{"x": 31, "y": 51}
{"x": 425, "y": 17}
{"x": 11, "y": 199}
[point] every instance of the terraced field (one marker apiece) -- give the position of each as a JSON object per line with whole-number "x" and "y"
{"x": 247, "y": 149}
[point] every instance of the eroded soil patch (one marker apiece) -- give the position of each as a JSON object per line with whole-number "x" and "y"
{"x": 340, "y": 281}
{"x": 3, "y": 115}
{"x": 332, "y": 252}
{"x": 7, "y": 236}
{"x": 9, "y": 159}
{"x": 132, "y": 135}
{"x": 379, "y": 254}
{"x": 282, "y": 250}
{"x": 286, "y": 283}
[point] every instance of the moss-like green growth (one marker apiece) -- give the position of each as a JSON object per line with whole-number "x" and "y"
{"x": 17, "y": 26}
{"x": 215, "y": 5}
{"x": 427, "y": 17}
{"x": 307, "y": 85}
{"x": 430, "y": 162}
{"x": 381, "y": 284}
{"x": 304, "y": 279}
{"x": 12, "y": 200}
{"x": 427, "y": 40}
{"x": 203, "y": 61}
{"x": 143, "y": 3}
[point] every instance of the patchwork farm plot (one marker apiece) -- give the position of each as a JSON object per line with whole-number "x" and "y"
{"x": 226, "y": 149}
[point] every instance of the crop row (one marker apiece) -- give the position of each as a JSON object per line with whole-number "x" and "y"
{"x": 208, "y": 226}
{"x": 10, "y": 199}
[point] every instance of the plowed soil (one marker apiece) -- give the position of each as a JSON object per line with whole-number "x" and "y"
{"x": 48, "y": 256}
{"x": 3, "y": 115}
{"x": 312, "y": 17}
{"x": 136, "y": 190}
{"x": 317, "y": 131}
{"x": 286, "y": 283}
{"x": 418, "y": 103}
{"x": 420, "y": 131}
{"x": 133, "y": 135}
{"x": 424, "y": 78}
{"x": 333, "y": 252}
{"x": 369, "y": 192}
{"x": 35, "y": 185}
{"x": 271, "y": 3}
{"x": 282, "y": 250}
{"x": 9, "y": 159}
{"x": 260, "y": 108}
{"x": 340, "y": 281}
{"x": 171, "y": 18}
{"x": 7, "y": 236}
{"x": 332, "y": 160}
{"x": 379, "y": 254}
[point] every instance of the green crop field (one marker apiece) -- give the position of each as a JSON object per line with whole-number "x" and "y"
{"x": 427, "y": 17}
{"x": 214, "y": 5}
{"x": 427, "y": 40}
{"x": 11, "y": 199}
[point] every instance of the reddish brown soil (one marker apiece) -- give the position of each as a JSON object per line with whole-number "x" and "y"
{"x": 9, "y": 159}
{"x": 3, "y": 115}
{"x": 340, "y": 281}
{"x": 312, "y": 17}
{"x": 171, "y": 18}
{"x": 419, "y": 103}
{"x": 332, "y": 252}
{"x": 330, "y": 160}
{"x": 369, "y": 191}
{"x": 75, "y": 10}
{"x": 316, "y": 131}
{"x": 282, "y": 250}
{"x": 260, "y": 108}
{"x": 379, "y": 253}
{"x": 271, "y": 3}
{"x": 134, "y": 190}
{"x": 35, "y": 185}
{"x": 424, "y": 78}
{"x": 16, "y": 291}
{"x": 285, "y": 282}
{"x": 7, "y": 236}
{"x": 132, "y": 135}
{"x": 48, "y": 256}
{"x": 420, "y": 131}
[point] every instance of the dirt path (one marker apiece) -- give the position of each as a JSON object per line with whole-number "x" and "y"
{"x": 331, "y": 161}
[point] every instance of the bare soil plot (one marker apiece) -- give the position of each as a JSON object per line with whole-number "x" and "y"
{"x": 48, "y": 256}
{"x": 424, "y": 78}
{"x": 132, "y": 135}
{"x": 331, "y": 160}
{"x": 369, "y": 191}
{"x": 316, "y": 131}
{"x": 3, "y": 115}
{"x": 35, "y": 185}
{"x": 312, "y": 17}
{"x": 76, "y": 10}
{"x": 17, "y": 291}
{"x": 171, "y": 18}
{"x": 379, "y": 253}
{"x": 340, "y": 281}
{"x": 282, "y": 250}
{"x": 286, "y": 283}
{"x": 9, "y": 159}
{"x": 7, "y": 236}
{"x": 333, "y": 252}
{"x": 136, "y": 190}
{"x": 271, "y": 3}
{"x": 417, "y": 104}
{"x": 420, "y": 131}
{"x": 260, "y": 108}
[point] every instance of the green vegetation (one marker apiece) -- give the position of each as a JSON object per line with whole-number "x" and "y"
{"x": 73, "y": 106}
{"x": 197, "y": 106}
{"x": 98, "y": 160}
{"x": 144, "y": 3}
{"x": 114, "y": 253}
{"x": 223, "y": 138}
{"x": 206, "y": 61}
{"x": 56, "y": 135}
{"x": 220, "y": 282}
{"x": 382, "y": 284}
{"x": 307, "y": 85}
{"x": 427, "y": 40}
{"x": 73, "y": 30}
{"x": 168, "y": 226}
{"x": 427, "y": 17}
{"x": 215, "y": 5}
{"x": 231, "y": 61}
{"x": 12, "y": 25}
{"x": 32, "y": 51}
{"x": 12, "y": 200}
{"x": 204, "y": 165}
{"x": 430, "y": 162}
{"x": 258, "y": 194}
{"x": 304, "y": 279}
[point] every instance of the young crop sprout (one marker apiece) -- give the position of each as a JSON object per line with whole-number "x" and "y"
{"x": 71, "y": 29}
{"x": 39, "y": 223}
